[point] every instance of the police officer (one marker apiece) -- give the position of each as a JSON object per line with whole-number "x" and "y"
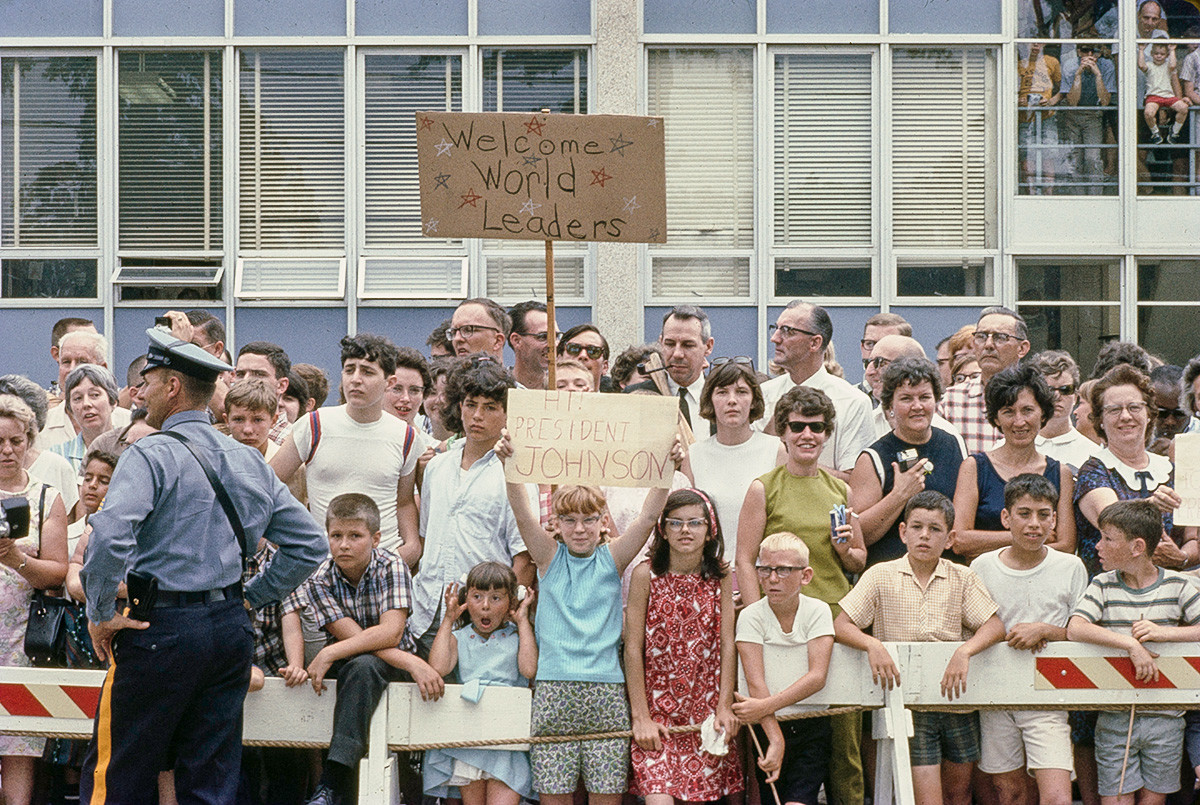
{"x": 175, "y": 688}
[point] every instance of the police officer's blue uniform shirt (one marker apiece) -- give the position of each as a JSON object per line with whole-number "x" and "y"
{"x": 159, "y": 488}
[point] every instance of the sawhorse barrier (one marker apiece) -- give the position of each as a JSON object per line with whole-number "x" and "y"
{"x": 61, "y": 703}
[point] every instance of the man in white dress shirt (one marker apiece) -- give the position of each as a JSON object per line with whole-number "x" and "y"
{"x": 687, "y": 342}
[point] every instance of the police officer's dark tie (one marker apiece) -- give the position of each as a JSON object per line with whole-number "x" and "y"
{"x": 1144, "y": 477}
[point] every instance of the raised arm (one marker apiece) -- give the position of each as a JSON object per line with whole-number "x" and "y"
{"x": 626, "y": 547}
{"x": 540, "y": 544}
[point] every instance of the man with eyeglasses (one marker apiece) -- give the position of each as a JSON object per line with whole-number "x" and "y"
{"x": 479, "y": 325}
{"x": 892, "y": 348}
{"x": 800, "y": 335}
{"x": 1172, "y": 419}
{"x": 529, "y": 344}
{"x": 1001, "y": 340}
{"x": 878, "y": 326}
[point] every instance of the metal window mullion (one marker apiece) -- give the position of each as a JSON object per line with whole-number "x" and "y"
{"x": 207, "y": 149}
{"x": 107, "y": 215}
{"x": 888, "y": 280}
{"x": 258, "y": 240}
{"x": 231, "y": 169}
{"x": 762, "y": 261}
{"x": 354, "y": 181}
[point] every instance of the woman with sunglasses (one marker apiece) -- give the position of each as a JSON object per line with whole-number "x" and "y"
{"x": 913, "y": 457}
{"x": 1018, "y": 403}
{"x": 798, "y": 497}
{"x": 585, "y": 344}
{"x": 725, "y": 465}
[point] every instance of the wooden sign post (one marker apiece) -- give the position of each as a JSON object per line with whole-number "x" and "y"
{"x": 539, "y": 176}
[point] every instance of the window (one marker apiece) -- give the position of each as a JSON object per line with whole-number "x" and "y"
{"x": 1070, "y": 304}
{"x": 48, "y": 150}
{"x": 1167, "y": 302}
{"x": 707, "y": 100}
{"x": 943, "y": 162}
{"x": 822, "y": 173}
{"x": 1166, "y": 62}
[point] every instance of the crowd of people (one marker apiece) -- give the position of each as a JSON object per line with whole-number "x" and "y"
{"x": 989, "y": 495}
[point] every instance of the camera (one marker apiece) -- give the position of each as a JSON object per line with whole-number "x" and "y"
{"x": 14, "y": 518}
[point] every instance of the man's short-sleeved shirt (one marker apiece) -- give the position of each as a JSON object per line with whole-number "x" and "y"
{"x": 964, "y": 406}
{"x": 385, "y": 585}
{"x": 951, "y": 608}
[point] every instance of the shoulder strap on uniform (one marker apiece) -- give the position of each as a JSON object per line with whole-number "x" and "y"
{"x": 218, "y": 489}
{"x": 314, "y": 429}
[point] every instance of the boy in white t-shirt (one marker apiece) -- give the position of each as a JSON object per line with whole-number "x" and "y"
{"x": 1035, "y": 589}
{"x": 355, "y": 448}
{"x": 784, "y": 642}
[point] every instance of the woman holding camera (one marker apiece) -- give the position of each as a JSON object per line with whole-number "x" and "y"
{"x": 915, "y": 456}
{"x": 35, "y": 560}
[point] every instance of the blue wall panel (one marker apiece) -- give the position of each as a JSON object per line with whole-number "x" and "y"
{"x": 309, "y": 335}
{"x": 932, "y": 324}
{"x": 130, "y": 325}
{"x": 734, "y": 329}
{"x": 25, "y": 332}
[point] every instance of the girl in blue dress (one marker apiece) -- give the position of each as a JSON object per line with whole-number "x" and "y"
{"x": 487, "y": 633}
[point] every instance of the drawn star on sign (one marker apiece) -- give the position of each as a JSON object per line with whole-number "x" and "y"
{"x": 443, "y": 147}
{"x": 600, "y": 177}
{"x": 653, "y": 234}
{"x": 532, "y": 160}
{"x": 631, "y": 205}
{"x": 431, "y": 225}
{"x": 529, "y": 206}
{"x": 534, "y": 126}
{"x": 426, "y": 122}
{"x": 471, "y": 197}
{"x": 652, "y": 122}
{"x": 619, "y": 144}
{"x": 441, "y": 181}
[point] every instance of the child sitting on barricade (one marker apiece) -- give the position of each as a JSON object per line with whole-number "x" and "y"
{"x": 1036, "y": 589}
{"x": 486, "y": 632}
{"x": 361, "y": 598}
{"x": 784, "y": 641}
{"x": 1132, "y": 603}
{"x": 922, "y": 597}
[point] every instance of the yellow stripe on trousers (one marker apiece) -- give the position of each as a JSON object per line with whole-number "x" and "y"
{"x": 104, "y": 737}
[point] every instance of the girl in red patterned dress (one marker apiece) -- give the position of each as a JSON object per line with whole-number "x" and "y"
{"x": 680, "y": 659}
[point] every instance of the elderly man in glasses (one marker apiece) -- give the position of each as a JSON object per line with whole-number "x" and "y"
{"x": 1001, "y": 340}
{"x": 479, "y": 325}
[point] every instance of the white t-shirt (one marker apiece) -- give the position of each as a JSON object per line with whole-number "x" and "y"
{"x": 785, "y": 654}
{"x": 357, "y": 457}
{"x": 854, "y": 427}
{"x": 725, "y": 473}
{"x": 1047, "y": 593}
{"x": 1071, "y": 448}
{"x": 51, "y": 468}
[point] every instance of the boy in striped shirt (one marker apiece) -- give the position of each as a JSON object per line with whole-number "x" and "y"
{"x": 1134, "y": 602}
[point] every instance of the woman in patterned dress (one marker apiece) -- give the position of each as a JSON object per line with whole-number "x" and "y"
{"x": 36, "y": 561}
{"x": 679, "y": 657}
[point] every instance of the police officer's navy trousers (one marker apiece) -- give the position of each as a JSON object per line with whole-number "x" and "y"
{"x": 173, "y": 699}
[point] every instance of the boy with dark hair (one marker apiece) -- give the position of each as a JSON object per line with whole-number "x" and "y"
{"x": 361, "y": 598}
{"x": 465, "y": 516}
{"x": 317, "y": 381}
{"x": 267, "y": 362}
{"x": 1036, "y": 589}
{"x": 354, "y": 447}
{"x": 1132, "y": 603}
{"x": 922, "y": 597}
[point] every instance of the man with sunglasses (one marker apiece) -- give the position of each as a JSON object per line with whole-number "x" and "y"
{"x": 528, "y": 341}
{"x": 585, "y": 344}
{"x": 1089, "y": 80}
{"x": 1001, "y": 340}
{"x": 1058, "y": 438}
{"x": 479, "y": 325}
{"x": 800, "y": 335}
{"x": 1166, "y": 382}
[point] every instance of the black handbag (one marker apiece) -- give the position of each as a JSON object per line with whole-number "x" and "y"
{"x": 46, "y": 631}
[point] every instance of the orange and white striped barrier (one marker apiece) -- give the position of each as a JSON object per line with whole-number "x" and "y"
{"x": 1113, "y": 673}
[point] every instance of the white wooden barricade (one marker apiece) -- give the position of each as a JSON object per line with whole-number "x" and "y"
{"x": 61, "y": 702}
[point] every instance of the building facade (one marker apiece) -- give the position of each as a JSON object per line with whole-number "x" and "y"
{"x": 927, "y": 157}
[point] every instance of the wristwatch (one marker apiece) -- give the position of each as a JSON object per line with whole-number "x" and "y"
{"x": 24, "y": 561}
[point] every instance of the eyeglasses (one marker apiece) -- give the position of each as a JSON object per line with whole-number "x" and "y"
{"x": 963, "y": 377}
{"x": 675, "y": 524}
{"x": 593, "y": 352}
{"x": 781, "y": 571}
{"x": 800, "y": 427}
{"x": 1134, "y": 408}
{"x": 878, "y": 363}
{"x": 999, "y": 339}
{"x": 468, "y": 330}
{"x": 788, "y": 332}
{"x": 543, "y": 336}
{"x": 568, "y": 521}
{"x": 1172, "y": 413}
{"x": 867, "y": 344}
{"x": 1065, "y": 391}
{"x": 742, "y": 360}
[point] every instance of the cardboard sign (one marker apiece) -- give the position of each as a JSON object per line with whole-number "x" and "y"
{"x": 542, "y": 177}
{"x": 1187, "y": 478}
{"x": 574, "y": 437}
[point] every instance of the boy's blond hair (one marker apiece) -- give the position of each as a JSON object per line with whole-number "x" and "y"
{"x": 571, "y": 363}
{"x": 785, "y": 541}
{"x": 253, "y": 394}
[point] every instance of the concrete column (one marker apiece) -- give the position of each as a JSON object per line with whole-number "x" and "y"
{"x": 618, "y": 307}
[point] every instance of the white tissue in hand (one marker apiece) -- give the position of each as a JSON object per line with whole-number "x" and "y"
{"x": 712, "y": 737}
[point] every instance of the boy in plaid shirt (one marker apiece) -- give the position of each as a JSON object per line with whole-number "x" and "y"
{"x": 361, "y": 597}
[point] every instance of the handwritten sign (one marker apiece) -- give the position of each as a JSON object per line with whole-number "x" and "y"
{"x": 1187, "y": 478}
{"x": 542, "y": 177}
{"x": 572, "y": 437}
